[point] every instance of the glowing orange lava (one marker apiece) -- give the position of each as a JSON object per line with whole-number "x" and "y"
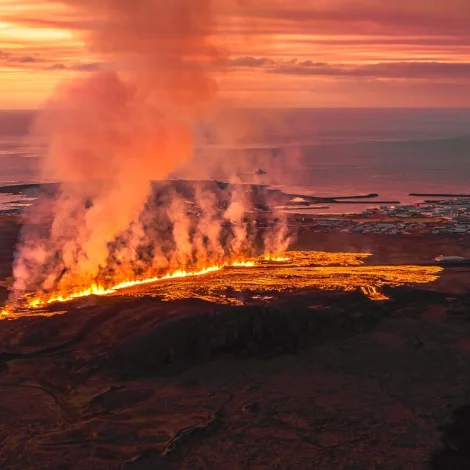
{"x": 5, "y": 312}
{"x": 95, "y": 289}
{"x": 373, "y": 293}
{"x": 276, "y": 259}
{"x": 242, "y": 264}
{"x": 41, "y": 300}
{"x": 269, "y": 273}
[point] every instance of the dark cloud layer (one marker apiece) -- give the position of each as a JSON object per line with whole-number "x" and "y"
{"x": 413, "y": 70}
{"x": 8, "y": 59}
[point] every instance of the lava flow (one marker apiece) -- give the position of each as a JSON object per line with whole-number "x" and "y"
{"x": 234, "y": 283}
{"x": 35, "y": 301}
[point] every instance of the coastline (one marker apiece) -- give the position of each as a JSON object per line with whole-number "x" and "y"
{"x": 310, "y": 213}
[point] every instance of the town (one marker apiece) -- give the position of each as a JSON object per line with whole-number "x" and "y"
{"x": 440, "y": 217}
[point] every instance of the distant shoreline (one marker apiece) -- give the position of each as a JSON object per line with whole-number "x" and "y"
{"x": 19, "y": 188}
{"x": 438, "y": 195}
{"x": 321, "y": 206}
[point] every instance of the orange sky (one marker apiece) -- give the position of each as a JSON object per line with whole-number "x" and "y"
{"x": 281, "y": 53}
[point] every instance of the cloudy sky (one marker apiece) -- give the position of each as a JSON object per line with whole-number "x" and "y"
{"x": 277, "y": 53}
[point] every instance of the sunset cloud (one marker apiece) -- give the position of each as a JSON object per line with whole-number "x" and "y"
{"x": 337, "y": 45}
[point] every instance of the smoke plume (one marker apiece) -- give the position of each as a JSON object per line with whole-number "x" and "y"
{"x": 110, "y": 134}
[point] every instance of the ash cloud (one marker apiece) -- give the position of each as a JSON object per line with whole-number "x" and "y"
{"x": 110, "y": 133}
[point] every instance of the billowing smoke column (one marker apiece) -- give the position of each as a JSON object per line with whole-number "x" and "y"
{"x": 110, "y": 134}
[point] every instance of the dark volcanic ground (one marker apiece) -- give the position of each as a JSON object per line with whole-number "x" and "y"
{"x": 314, "y": 381}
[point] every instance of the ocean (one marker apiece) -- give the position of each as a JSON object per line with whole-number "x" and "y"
{"x": 321, "y": 152}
